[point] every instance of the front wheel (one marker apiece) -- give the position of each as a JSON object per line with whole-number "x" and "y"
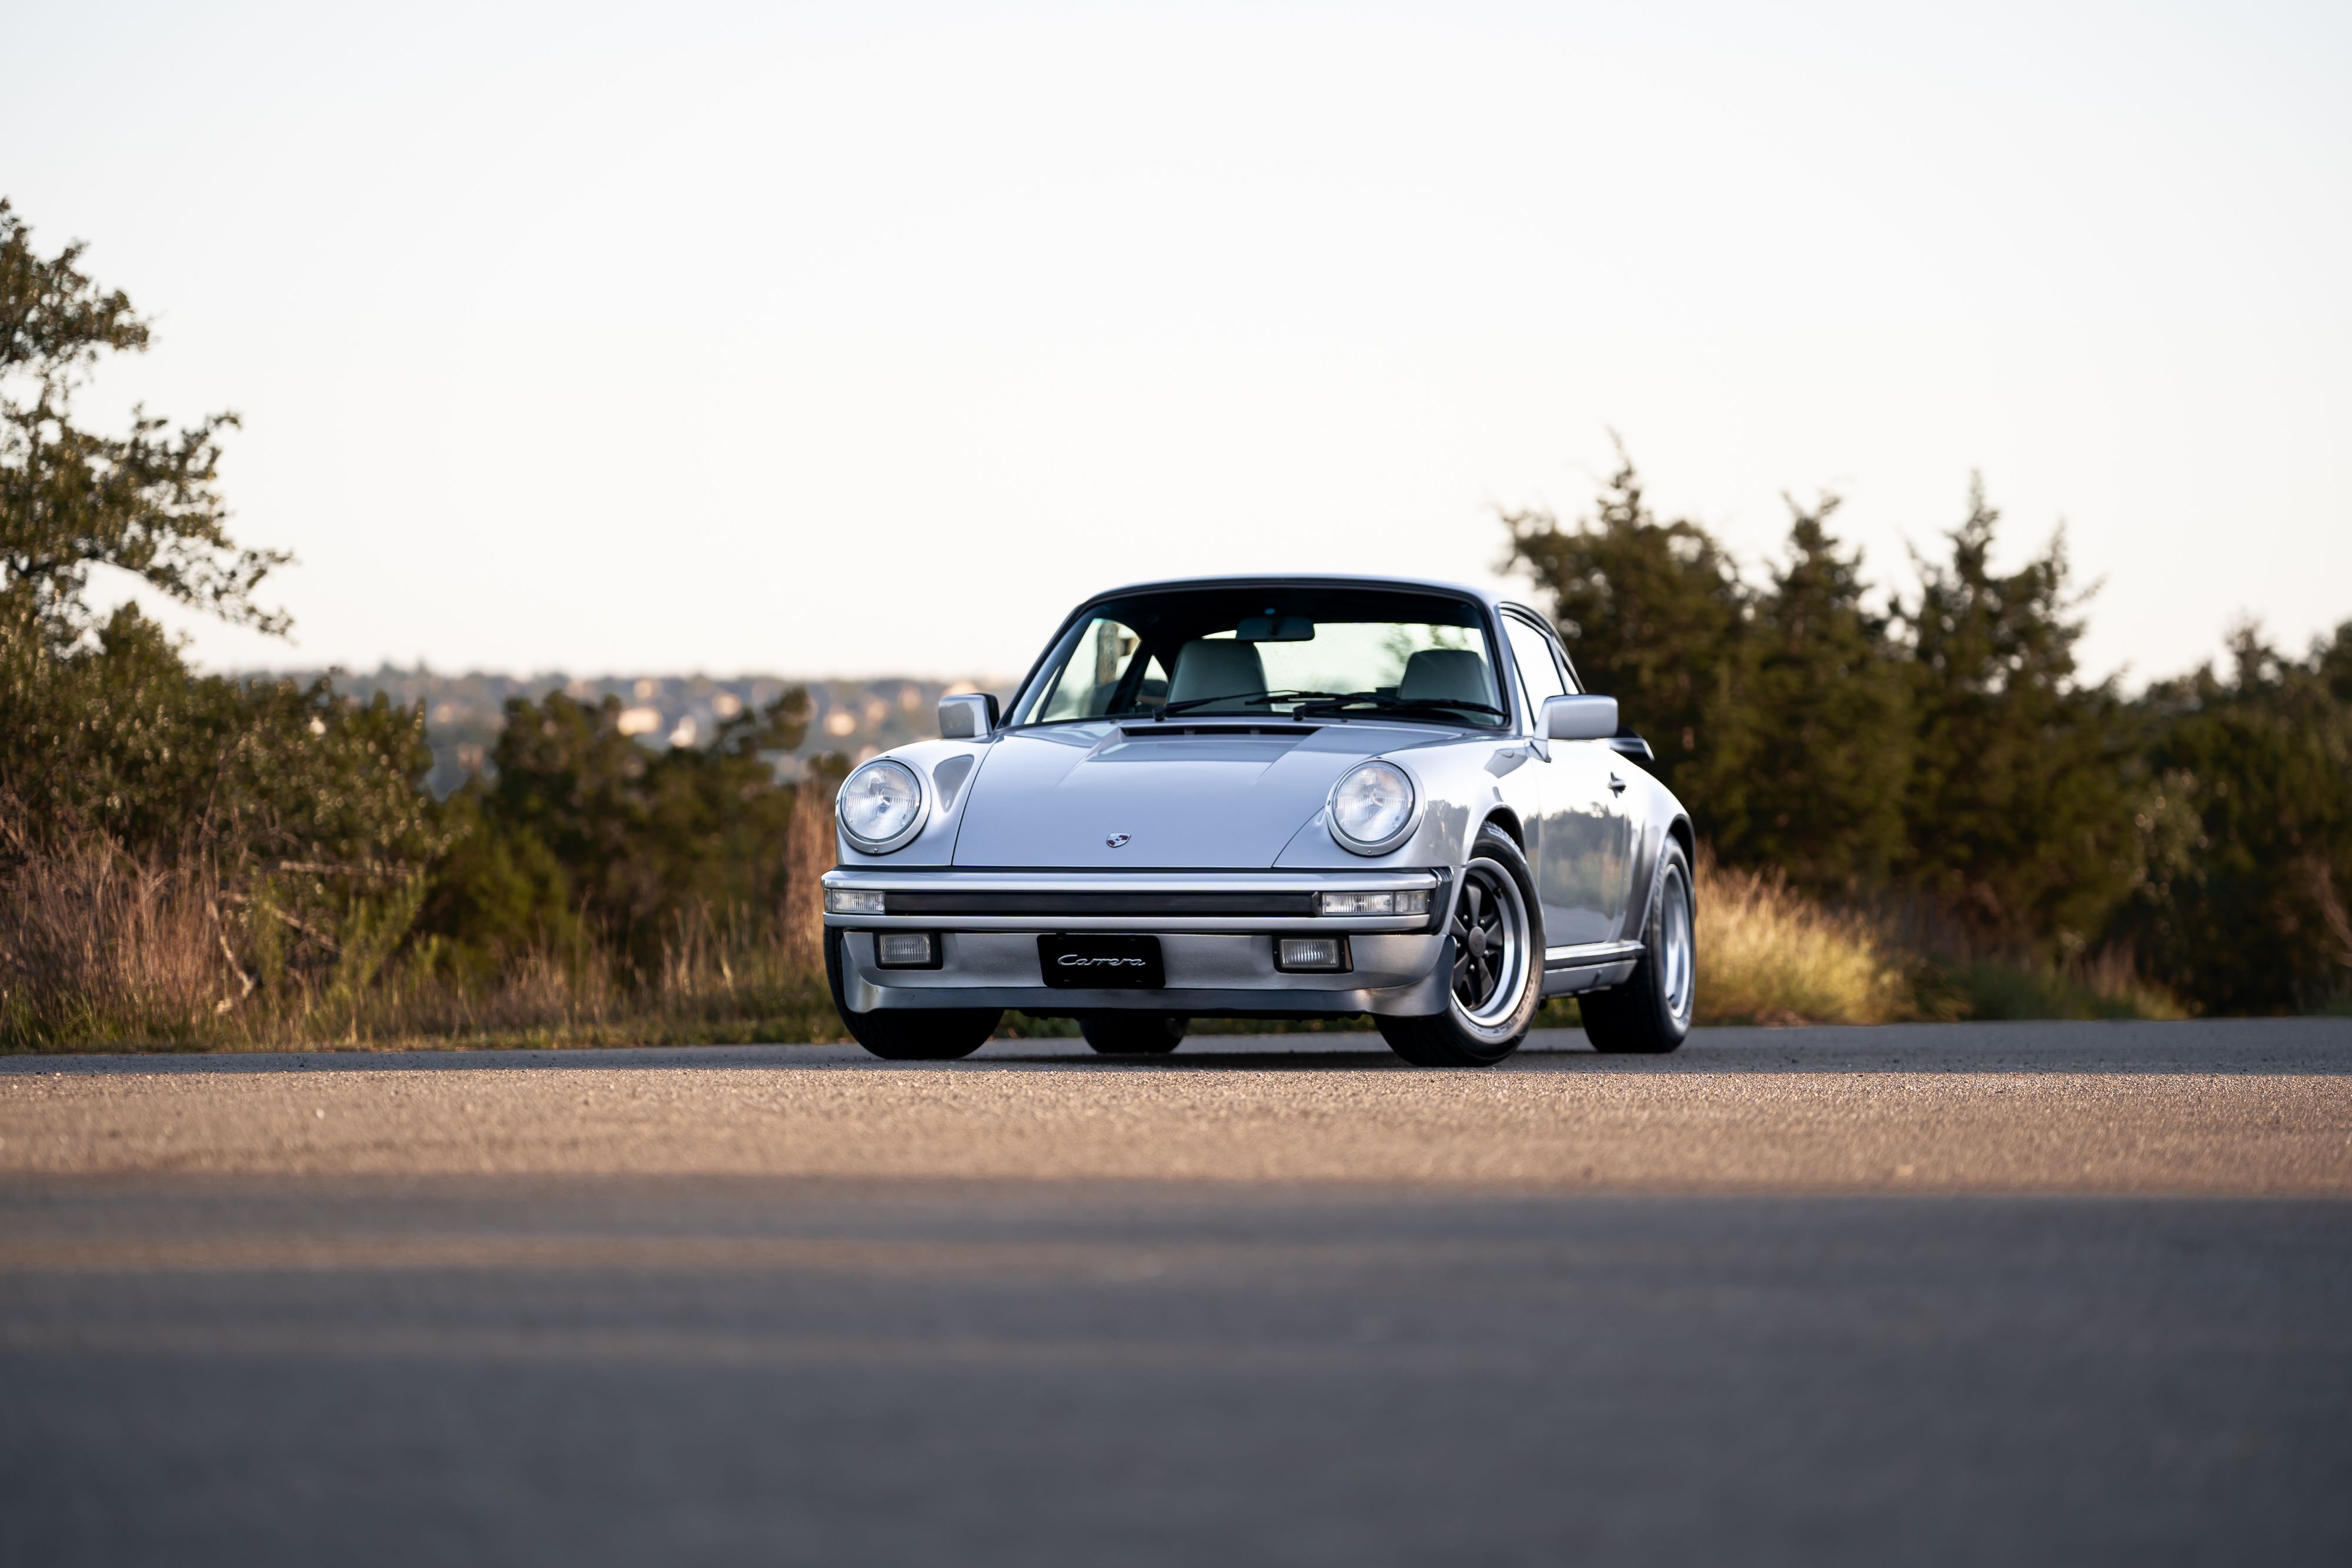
{"x": 1650, "y": 1014}
{"x": 1497, "y": 976}
{"x": 910, "y": 1034}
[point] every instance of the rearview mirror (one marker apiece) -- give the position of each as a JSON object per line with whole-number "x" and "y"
{"x": 967, "y": 716}
{"x": 1580, "y": 718}
{"x": 1273, "y": 628}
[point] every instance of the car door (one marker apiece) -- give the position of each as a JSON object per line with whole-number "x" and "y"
{"x": 1582, "y": 865}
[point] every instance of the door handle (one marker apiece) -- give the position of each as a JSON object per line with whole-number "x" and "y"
{"x": 1616, "y": 785}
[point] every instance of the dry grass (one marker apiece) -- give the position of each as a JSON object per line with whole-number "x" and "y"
{"x": 94, "y": 948}
{"x": 1767, "y": 955}
{"x": 98, "y": 953}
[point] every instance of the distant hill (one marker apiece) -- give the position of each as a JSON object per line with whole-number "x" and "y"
{"x": 463, "y": 714}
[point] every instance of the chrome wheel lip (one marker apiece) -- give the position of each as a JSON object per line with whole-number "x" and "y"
{"x": 1493, "y": 1017}
{"x": 1677, "y": 955}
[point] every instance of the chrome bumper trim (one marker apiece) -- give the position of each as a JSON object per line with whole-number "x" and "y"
{"x": 1229, "y": 902}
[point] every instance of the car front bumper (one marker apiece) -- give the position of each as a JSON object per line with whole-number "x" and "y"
{"x": 1216, "y": 931}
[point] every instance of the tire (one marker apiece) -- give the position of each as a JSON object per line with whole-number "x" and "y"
{"x": 910, "y": 1034}
{"x": 1496, "y": 928}
{"x": 1134, "y": 1034}
{"x": 1650, "y": 1014}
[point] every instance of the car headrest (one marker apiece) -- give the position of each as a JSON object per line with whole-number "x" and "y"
{"x": 1218, "y": 668}
{"x": 1445, "y": 674}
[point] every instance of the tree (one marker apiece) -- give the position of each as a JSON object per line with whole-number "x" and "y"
{"x": 1821, "y": 794}
{"x": 1653, "y": 614}
{"x": 583, "y": 831}
{"x": 120, "y": 740}
{"x": 2249, "y": 830}
{"x": 2021, "y": 799}
{"x": 296, "y": 808}
{"x": 146, "y": 502}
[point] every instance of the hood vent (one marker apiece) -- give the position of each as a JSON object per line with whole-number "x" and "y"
{"x": 1287, "y": 729}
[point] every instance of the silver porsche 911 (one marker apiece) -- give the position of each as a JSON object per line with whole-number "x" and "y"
{"x": 1269, "y": 797}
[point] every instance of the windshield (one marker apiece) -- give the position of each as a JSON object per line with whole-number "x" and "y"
{"x": 1271, "y": 652}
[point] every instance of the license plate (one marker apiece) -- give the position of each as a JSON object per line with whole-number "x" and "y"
{"x": 1101, "y": 963}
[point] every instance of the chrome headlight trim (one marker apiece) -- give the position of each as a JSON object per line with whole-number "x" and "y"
{"x": 905, "y": 835}
{"x": 1393, "y": 841}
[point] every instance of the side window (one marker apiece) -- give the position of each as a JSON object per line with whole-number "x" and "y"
{"x": 1084, "y": 686}
{"x": 1152, "y": 689}
{"x": 1539, "y": 669}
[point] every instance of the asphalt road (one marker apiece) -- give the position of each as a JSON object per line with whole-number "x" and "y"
{"x": 2054, "y": 1294}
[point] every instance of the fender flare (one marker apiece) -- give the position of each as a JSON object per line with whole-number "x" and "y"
{"x": 1648, "y": 876}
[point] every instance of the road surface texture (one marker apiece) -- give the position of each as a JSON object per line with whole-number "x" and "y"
{"x": 2068, "y": 1293}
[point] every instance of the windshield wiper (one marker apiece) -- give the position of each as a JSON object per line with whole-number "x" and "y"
{"x": 1254, "y": 698}
{"x": 1382, "y": 702}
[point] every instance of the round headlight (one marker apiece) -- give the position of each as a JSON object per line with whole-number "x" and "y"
{"x": 880, "y": 806}
{"x": 1372, "y": 809}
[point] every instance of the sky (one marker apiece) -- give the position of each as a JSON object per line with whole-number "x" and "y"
{"x": 854, "y": 339}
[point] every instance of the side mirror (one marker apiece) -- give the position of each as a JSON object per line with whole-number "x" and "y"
{"x": 1580, "y": 718}
{"x": 967, "y": 717}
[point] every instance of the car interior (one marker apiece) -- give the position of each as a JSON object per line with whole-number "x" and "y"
{"x": 1132, "y": 656}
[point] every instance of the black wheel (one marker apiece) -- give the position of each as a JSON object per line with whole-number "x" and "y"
{"x": 1133, "y": 1034}
{"x": 1498, "y": 981}
{"x": 1650, "y": 1014}
{"x": 910, "y": 1034}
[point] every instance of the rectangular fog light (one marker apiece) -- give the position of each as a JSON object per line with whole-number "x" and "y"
{"x": 853, "y": 901}
{"x": 1312, "y": 955}
{"x": 906, "y": 950}
{"x": 1413, "y": 903}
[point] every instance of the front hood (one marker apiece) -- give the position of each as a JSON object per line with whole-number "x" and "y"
{"x": 1055, "y": 798}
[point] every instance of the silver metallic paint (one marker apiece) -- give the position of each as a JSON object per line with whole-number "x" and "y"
{"x": 1045, "y": 798}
